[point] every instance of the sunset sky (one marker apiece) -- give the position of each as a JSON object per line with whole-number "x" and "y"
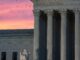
{"x": 16, "y": 14}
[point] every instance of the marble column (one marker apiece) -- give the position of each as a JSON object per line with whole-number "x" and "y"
{"x": 36, "y": 35}
{"x": 49, "y": 34}
{"x": 19, "y": 56}
{"x": 0, "y": 55}
{"x": 63, "y": 34}
{"x": 77, "y": 39}
{"x": 8, "y": 55}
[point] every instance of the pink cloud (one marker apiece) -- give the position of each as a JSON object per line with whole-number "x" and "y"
{"x": 13, "y": 1}
{"x": 7, "y": 8}
{"x": 16, "y": 15}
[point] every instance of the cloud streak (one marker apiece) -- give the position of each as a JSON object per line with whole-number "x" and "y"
{"x": 19, "y": 24}
{"x": 16, "y": 15}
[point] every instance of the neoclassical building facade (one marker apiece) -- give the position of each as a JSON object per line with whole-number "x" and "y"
{"x": 16, "y": 44}
{"x": 57, "y": 30}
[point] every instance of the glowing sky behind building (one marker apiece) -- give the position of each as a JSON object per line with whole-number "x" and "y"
{"x": 16, "y": 14}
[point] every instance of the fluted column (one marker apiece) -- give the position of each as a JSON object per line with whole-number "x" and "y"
{"x": 49, "y": 34}
{"x": 77, "y": 36}
{"x": 18, "y": 57}
{"x": 36, "y": 35}
{"x": 0, "y": 55}
{"x": 63, "y": 34}
{"x": 9, "y": 55}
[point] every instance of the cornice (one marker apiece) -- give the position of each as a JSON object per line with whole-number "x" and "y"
{"x": 70, "y": 7}
{"x": 64, "y": 3}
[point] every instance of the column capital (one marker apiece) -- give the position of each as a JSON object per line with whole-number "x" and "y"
{"x": 63, "y": 10}
{"x": 49, "y": 11}
{"x": 76, "y": 10}
{"x": 36, "y": 12}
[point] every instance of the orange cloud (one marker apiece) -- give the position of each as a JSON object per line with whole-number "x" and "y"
{"x": 16, "y": 24}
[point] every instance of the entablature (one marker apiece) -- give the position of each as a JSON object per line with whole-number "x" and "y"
{"x": 55, "y": 2}
{"x": 68, "y": 7}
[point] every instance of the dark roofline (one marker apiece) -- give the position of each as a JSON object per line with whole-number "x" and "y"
{"x": 17, "y": 32}
{"x": 15, "y": 29}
